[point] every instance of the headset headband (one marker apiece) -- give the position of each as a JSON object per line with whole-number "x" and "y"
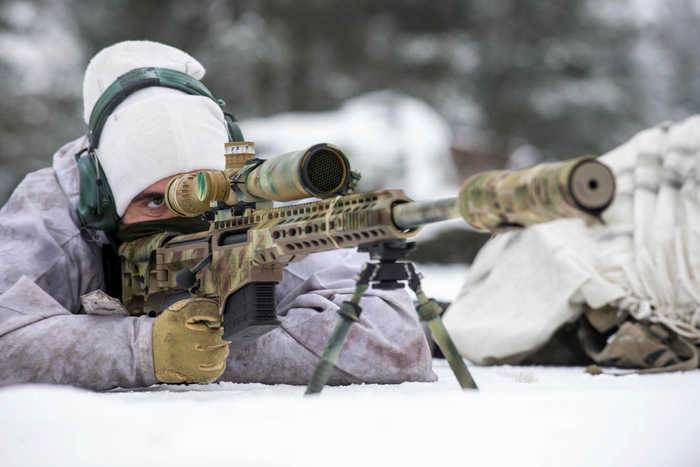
{"x": 141, "y": 78}
{"x": 96, "y": 207}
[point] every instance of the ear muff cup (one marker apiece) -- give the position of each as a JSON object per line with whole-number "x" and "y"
{"x": 232, "y": 128}
{"x": 96, "y": 208}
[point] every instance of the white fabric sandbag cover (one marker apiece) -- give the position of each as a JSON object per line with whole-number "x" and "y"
{"x": 525, "y": 284}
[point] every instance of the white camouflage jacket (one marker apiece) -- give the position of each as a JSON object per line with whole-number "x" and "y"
{"x": 47, "y": 263}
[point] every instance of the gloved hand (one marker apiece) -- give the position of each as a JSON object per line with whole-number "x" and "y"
{"x": 187, "y": 342}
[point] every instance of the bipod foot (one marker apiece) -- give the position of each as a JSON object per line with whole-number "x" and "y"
{"x": 430, "y": 312}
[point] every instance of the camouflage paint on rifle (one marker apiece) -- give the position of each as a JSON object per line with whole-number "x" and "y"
{"x": 253, "y": 246}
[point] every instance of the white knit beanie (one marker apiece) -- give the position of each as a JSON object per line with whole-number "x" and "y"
{"x": 156, "y": 132}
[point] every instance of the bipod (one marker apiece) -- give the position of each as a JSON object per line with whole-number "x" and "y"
{"x": 388, "y": 269}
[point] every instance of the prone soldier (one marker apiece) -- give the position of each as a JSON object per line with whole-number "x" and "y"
{"x": 58, "y": 229}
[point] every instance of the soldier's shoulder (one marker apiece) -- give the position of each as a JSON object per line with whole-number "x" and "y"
{"x": 37, "y": 190}
{"x": 47, "y": 196}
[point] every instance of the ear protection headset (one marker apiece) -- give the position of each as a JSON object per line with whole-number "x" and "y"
{"x": 96, "y": 208}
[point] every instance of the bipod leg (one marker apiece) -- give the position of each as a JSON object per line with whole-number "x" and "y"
{"x": 349, "y": 313}
{"x": 429, "y": 311}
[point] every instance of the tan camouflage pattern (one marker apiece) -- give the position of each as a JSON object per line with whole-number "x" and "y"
{"x": 182, "y": 195}
{"x": 137, "y": 269}
{"x": 644, "y": 347}
{"x": 499, "y": 200}
{"x": 278, "y": 179}
{"x": 269, "y": 239}
{"x": 257, "y": 245}
{"x": 611, "y": 338}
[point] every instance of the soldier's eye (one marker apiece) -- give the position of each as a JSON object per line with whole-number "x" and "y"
{"x": 156, "y": 202}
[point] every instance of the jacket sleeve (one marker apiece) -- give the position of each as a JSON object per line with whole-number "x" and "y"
{"x": 387, "y": 345}
{"x": 45, "y": 266}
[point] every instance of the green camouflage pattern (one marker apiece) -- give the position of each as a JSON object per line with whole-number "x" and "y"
{"x": 280, "y": 178}
{"x": 499, "y": 200}
{"x": 256, "y": 245}
{"x": 276, "y": 180}
{"x": 138, "y": 271}
{"x": 253, "y": 247}
{"x": 286, "y": 177}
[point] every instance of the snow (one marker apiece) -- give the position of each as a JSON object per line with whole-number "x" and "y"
{"x": 524, "y": 416}
{"x": 521, "y": 416}
{"x": 442, "y": 281}
{"x": 396, "y": 141}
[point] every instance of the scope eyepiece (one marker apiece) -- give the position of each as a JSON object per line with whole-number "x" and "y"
{"x": 321, "y": 171}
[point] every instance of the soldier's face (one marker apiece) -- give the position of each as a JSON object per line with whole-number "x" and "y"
{"x": 148, "y": 205}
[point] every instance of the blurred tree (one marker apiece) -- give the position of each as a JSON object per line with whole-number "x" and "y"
{"x": 560, "y": 78}
{"x": 555, "y": 75}
{"x": 41, "y": 65}
{"x": 672, "y": 60}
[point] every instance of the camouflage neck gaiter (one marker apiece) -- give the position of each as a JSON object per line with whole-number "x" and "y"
{"x": 177, "y": 225}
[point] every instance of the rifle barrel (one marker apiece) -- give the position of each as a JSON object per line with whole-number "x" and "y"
{"x": 414, "y": 214}
{"x": 502, "y": 199}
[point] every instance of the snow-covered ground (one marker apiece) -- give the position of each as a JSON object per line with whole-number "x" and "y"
{"x": 520, "y": 417}
{"x": 524, "y": 416}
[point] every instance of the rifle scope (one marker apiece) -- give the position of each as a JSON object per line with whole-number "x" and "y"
{"x": 321, "y": 171}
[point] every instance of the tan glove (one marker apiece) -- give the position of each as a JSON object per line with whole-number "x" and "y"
{"x": 187, "y": 342}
